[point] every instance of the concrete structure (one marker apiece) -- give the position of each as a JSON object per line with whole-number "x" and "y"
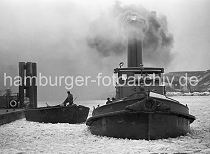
{"x": 28, "y": 73}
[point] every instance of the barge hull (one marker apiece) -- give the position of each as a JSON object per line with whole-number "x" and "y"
{"x": 74, "y": 114}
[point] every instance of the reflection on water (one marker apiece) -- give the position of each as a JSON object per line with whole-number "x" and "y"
{"x": 24, "y": 136}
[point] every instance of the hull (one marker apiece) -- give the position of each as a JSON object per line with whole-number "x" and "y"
{"x": 140, "y": 125}
{"x": 10, "y": 115}
{"x": 152, "y": 117}
{"x": 58, "y": 114}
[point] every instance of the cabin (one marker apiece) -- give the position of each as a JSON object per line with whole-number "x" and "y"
{"x": 131, "y": 79}
{"x": 9, "y": 100}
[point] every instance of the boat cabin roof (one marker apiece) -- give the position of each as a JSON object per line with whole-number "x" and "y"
{"x": 139, "y": 70}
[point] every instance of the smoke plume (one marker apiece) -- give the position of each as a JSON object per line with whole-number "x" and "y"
{"x": 108, "y": 34}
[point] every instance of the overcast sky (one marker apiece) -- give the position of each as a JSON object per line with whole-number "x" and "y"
{"x": 52, "y": 33}
{"x": 189, "y": 21}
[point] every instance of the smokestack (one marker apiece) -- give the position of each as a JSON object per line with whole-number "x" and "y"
{"x": 135, "y": 40}
{"x": 135, "y": 51}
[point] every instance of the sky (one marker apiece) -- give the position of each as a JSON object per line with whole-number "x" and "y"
{"x": 54, "y": 34}
{"x": 189, "y": 22}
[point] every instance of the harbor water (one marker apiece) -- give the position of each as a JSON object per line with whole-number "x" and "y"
{"x": 23, "y": 136}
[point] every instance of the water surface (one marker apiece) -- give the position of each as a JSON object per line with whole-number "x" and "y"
{"x": 23, "y": 136}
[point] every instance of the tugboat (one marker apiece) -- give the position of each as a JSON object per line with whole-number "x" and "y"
{"x": 141, "y": 109}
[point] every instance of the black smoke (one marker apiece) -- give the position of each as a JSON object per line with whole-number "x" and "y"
{"x": 107, "y": 34}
